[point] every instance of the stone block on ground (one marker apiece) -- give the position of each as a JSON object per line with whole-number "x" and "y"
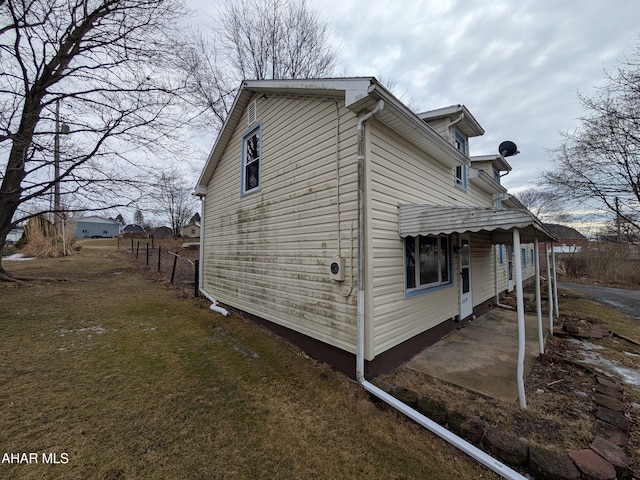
{"x": 592, "y": 466}
{"x": 607, "y": 382}
{"x": 610, "y": 392}
{"x": 549, "y": 465}
{"x": 609, "y": 432}
{"x": 405, "y": 395}
{"x": 509, "y": 448}
{"x": 609, "y": 402}
{"x": 433, "y": 409}
{"x": 612, "y": 454}
{"x": 468, "y": 427}
{"x": 617, "y": 419}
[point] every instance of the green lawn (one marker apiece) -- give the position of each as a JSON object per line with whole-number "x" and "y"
{"x": 131, "y": 381}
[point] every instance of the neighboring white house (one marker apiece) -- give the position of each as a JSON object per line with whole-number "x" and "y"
{"x": 96, "y": 227}
{"x": 313, "y": 184}
{"x": 15, "y": 234}
{"x": 190, "y": 231}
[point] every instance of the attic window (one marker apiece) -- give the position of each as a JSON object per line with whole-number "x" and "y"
{"x": 252, "y": 113}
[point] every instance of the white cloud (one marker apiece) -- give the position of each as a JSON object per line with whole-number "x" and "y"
{"x": 516, "y": 65}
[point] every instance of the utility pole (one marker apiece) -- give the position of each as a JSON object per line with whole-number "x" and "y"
{"x": 618, "y": 220}
{"x": 58, "y": 214}
{"x": 56, "y": 171}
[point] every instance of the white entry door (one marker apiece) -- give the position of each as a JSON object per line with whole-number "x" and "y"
{"x": 466, "y": 297}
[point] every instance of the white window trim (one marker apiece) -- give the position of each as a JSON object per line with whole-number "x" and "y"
{"x": 418, "y": 289}
{"x": 462, "y": 182}
{"x": 256, "y": 129}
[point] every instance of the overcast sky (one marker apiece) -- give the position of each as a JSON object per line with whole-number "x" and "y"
{"x": 516, "y": 65}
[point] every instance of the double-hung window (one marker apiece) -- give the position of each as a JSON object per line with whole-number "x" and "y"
{"x": 460, "y": 142}
{"x": 427, "y": 262}
{"x": 461, "y": 177}
{"x": 251, "y": 160}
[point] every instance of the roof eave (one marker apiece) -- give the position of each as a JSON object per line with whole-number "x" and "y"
{"x": 401, "y": 119}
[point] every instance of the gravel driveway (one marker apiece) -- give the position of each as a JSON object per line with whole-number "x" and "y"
{"x": 627, "y": 301}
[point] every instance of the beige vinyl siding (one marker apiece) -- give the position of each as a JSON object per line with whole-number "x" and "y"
{"x": 441, "y": 126}
{"x": 268, "y": 253}
{"x": 483, "y": 285}
{"x": 398, "y": 173}
{"x": 502, "y": 269}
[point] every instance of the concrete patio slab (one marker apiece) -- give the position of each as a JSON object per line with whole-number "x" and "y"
{"x": 482, "y": 356}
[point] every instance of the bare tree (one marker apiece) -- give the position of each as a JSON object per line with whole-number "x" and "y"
{"x": 85, "y": 94}
{"x": 174, "y": 199}
{"x": 138, "y": 217}
{"x": 257, "y": 39}
{"x": 600, "y": 162}
{"x": 542, "y": 203}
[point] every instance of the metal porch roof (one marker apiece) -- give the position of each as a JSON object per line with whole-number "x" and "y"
{"x": 437, "y": 220}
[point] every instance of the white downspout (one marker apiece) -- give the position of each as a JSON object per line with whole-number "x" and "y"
{"x": 520, "y": 303}
{"x": 471, "y": 450}
{"x": 451, "y": 124}
{"x": 201, "y": 252}
{"x": 538, "y": 299}
{"x": 361, "y": 260}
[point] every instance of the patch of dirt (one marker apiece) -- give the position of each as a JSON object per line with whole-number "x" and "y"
{"x": 560, "y": 399}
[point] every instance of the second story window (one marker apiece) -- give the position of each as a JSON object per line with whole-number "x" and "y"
{"x": 460, "y": 141}
{"x": 461, "y": 177}
{"x": 251, "y": 159}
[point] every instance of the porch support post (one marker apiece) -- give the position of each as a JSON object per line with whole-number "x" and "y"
{"x": 555, "y": 282}
{"x": 549, "y": 287}
{"x": 538, "y": 300}
{"x": 520, "y": 307}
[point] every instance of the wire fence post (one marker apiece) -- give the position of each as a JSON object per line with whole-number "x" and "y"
{"x": 138, "y": 249}
{"x": 159, "y": 256}
{"x": 196, "y": 278}
{"x": 173, "y": 272}
{"x": 131, "y": 245}
{"x": 147, "y": 253}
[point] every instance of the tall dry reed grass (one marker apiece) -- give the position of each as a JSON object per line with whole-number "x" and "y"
{"x": 44, "y": 242}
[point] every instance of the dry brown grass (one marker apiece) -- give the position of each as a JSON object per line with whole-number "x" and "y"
{"x": 608, "y": 263}
{"x": 132, "y": 381}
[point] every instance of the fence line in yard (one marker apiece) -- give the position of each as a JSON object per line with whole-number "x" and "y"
{"x": 182, "y": 269}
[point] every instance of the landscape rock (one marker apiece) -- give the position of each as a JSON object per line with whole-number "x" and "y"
{"x": 610, "y": 392}
{"x": 612, "y": 454}
{"x": 609, "y": 402}
{"x": 405, "y": 395}
{"x": 433, "y": 409}
{"x": 469, "y": 428}
{"x": 609, "y": 432}
{"x": 549, "y": 465}
{"x": 617, "y": 419}
{"x": 509, "y": 448}
{"x": 607, "y": 382}
{"x": 592, "y": 466}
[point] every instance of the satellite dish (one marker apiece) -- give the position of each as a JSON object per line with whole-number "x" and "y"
{"x": 508, "y": 149}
